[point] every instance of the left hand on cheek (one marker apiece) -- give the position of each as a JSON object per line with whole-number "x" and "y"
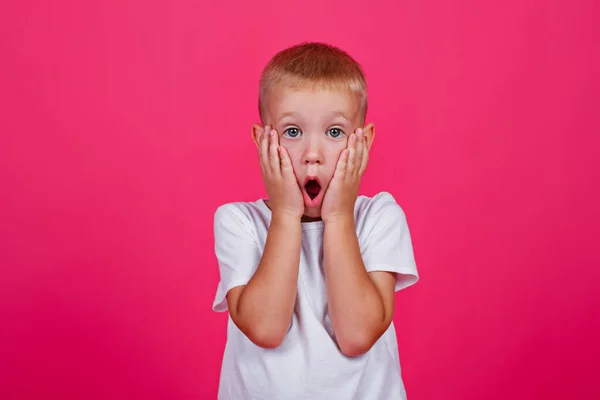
{"x": 341, "y": 194}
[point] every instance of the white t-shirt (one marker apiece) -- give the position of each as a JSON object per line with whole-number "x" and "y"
{"x": 308, "y": 365}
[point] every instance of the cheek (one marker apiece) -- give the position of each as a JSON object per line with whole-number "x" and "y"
{"x": 332, "y": 157}
{"x": 295, "y": 153}
{"x": 334, "y": 152}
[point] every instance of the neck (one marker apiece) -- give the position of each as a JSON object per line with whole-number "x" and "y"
{"x": 306, "y": 218}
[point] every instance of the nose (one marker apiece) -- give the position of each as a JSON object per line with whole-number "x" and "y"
{"x": 312, "y": 154}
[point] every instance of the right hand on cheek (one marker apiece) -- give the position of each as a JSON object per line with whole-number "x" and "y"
{"x": 278, "y": 175}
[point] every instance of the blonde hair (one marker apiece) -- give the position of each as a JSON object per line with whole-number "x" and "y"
{"x": 313, "y": 65}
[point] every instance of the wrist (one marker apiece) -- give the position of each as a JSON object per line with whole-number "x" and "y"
{"x": 340, "y": 220}
{"x": 285, "y": 218}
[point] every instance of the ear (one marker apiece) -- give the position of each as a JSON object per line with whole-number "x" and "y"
{"x": 369, "y": 133}
{"x": 256, "y": 133}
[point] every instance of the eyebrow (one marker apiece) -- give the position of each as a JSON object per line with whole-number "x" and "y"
{"x": 334, "y": 114}
{"x": 287, "y": 114}
{"x": 341, "y": 114}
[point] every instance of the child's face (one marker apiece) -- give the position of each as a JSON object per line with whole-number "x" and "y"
{"x": 314, "y": 126}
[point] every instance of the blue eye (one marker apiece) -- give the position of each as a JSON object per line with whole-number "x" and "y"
{"x": 292, "y": 132}
{"x": 335, "y": 132}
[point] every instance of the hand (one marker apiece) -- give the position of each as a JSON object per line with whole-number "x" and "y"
{"x": 342, "y": 192}
{"x": 278, "y": 175}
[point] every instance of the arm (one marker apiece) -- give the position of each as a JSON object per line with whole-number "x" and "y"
{"x": 262, "y": 309}
{"x": 361, "y": 304}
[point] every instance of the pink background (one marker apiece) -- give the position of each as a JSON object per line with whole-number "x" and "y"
{"x": 124, "y": 124}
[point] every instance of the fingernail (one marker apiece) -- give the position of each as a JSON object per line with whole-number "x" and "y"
{"x": 359, "y": 131}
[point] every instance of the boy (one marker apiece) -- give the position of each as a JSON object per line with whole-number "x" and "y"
{"x": 309, "y": 274}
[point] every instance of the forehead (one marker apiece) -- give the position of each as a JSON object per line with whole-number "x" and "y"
{"x": 292, "y": 102}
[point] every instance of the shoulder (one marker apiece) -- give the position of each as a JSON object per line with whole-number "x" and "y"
{"x": 381, "y": 205}
{"x": 243, "y": 214}
{"x": 379, "y": 213}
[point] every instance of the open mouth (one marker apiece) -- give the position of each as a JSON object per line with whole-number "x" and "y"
{"x": 313, "y": 188}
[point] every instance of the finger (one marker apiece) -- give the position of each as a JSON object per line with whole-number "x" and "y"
{"x": 264, "y": 149}
{"x": 351, "y": 155}
{"x": 286, "y": 162}
{"x": 342, "y": 165}
{"x": 274, "y": 162}
{"x": 365, "y": 159}
{"x": 360, "y": 145}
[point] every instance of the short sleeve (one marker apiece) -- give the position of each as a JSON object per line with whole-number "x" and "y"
{"x": 386, "y": 244}
{"x": 237, "y": 251}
